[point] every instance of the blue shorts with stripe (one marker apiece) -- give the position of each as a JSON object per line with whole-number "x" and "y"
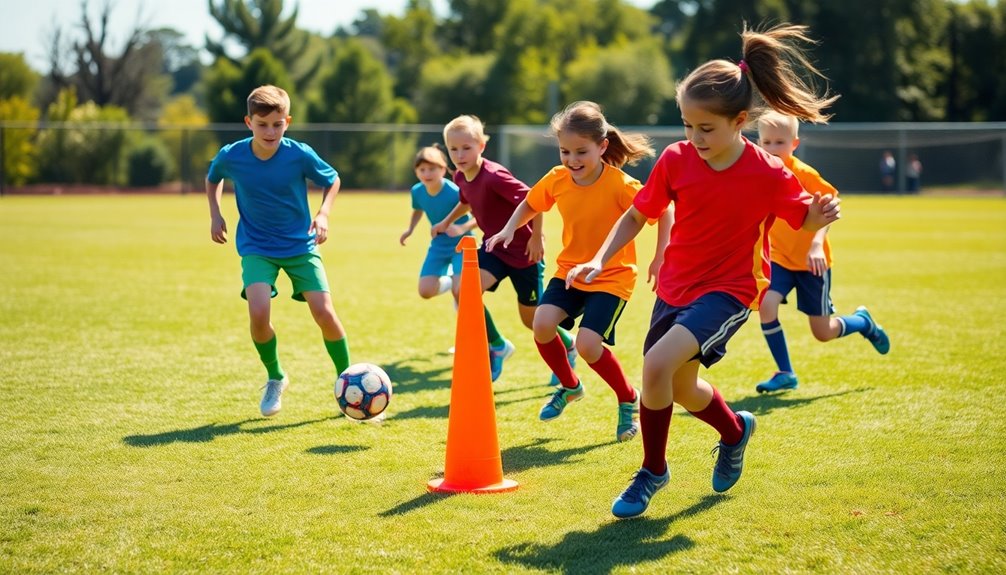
{"x": 441, "y": 258}
{"x": 713, "y": 319}
{"x": 813, "y": 293}
{"x": 600, "y": 310}
{"x": 526, "y": 281}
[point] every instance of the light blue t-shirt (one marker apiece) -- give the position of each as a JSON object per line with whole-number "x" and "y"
{"x": 272, "y": 195}
{"x": 437, "y": 207}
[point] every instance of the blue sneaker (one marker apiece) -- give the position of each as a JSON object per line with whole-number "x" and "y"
{"x": 571, "y": 356}
{"x": 778, "y": 382}
{"x": 272, "y": 399}
{"x": 496, "y": 357}
{"x": 876, "y": 334}
{"x": 628, "y": 419}
{"x": 558, "y": 402}
{"x": 635, "y": 499}
{"x": 730, "y": 462}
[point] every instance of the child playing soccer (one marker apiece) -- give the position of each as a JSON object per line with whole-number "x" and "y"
{"x": 802, "y": 260}
{"x": 275, "y": 230}
{"x": 726, "y": 193}
{"x": 591, "y": 193}
{"x": 492, "y": 193}
{"x": 435, "y": 196}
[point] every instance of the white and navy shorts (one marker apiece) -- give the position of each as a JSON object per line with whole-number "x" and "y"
{"x": 813, "y": 293}
{"x": 713, "y": 319}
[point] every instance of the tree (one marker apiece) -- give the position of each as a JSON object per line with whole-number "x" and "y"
{"x": 227, "y": 86}
{"x": 976, "y": 81}
{"x": 411, "y": 40}
{"x": 452, "y": 85}
{"x": 639, "y": 70}
{"x": 18, "y": 142}
{"x": 180, "y": 59}
{"x": 17, "y": 79}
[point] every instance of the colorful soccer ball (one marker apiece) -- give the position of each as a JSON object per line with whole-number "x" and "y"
{"x": 363, "y": 391}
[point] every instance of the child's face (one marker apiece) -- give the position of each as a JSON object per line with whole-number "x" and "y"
{"x": 430, "y": 173}
{"x": 464, "y": 150}
{"x": 267, "y": 130}
{"x": 581, "y": 156}
{"x": 777, "y": 140}
{"x": 715, "y": 137}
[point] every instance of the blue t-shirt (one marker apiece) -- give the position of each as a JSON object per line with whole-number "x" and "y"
{"x": 437, "y": 207}
{"x": 272, "y": 195}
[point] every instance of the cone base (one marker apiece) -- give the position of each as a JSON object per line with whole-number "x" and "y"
{"x": 441, "y": 486}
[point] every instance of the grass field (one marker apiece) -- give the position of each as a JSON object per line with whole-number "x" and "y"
{"x": 132, "y": 442}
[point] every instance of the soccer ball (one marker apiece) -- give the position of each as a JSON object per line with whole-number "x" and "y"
{"x": 363, "y": 391}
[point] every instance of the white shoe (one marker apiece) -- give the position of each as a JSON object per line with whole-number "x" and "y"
{"x": 272, "y": 399}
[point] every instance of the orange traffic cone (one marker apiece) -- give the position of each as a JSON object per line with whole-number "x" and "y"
{"x": 473, "y": 452}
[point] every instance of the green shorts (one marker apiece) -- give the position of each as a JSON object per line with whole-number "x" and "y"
{"x": 306, "y": 273}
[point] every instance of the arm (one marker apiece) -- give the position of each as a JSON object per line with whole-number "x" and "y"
{"x": 625, "y": 230}
{"x": 320, "y": 223}
{"x": 218, "y": 227}
{"x": 441, "y": 226}
{"x": 816, "y": 261}
{"x": 455, "y": 230}
{"x": 521, "y": 216}
{"x": 536, "y": 244}
{"x": 664, "y": 225}
{"x": 413, "y": 221}
{"x": 822, "y": 211}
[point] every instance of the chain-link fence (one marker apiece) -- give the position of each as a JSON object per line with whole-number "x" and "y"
{"x": 67, "y": 157}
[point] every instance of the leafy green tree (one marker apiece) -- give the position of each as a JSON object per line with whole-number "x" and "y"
{"x": 227, "y": 86}
{"x": 976, "y": 81}
{"x": 411, "y": 41}
{"x": 182, "y": 128}
{"x": 452, "y": 85}
{"x": 18, "y": 142}
{"x": 16, "y": 77}
{"x": 630, "y": 81}
{"x": 471, "y": 24}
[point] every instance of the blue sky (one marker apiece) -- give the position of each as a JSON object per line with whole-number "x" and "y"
{"x": 27, "y": 28}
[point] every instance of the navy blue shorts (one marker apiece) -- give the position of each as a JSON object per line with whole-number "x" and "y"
{"x": 813, "y": 293}
{"x": 600, "y": 310}
{"x": 713, "y": 319}
{"x": 526, "y": 281}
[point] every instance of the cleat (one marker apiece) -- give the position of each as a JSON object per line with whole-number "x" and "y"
{"x": 628, "y": 419}
{"x": 636, "y": 498}
{"x": 730, "y": 461}
{"x": 496, "y": 357}
{"x": 876, "y": 334}
{"x": 558, "y": 402}
{"x": 272, "y": 399}
{"x": 781, "y": 380}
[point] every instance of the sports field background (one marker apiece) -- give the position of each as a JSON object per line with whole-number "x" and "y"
{"x": 132, "y": 442}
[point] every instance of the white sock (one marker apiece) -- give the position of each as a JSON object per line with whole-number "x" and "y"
{"x": 445, "y": 284}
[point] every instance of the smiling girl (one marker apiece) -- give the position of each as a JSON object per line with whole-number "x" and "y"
{"x": 590, "y": 192}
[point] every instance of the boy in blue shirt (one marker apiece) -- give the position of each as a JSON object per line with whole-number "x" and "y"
{"x": 275, "y": 230}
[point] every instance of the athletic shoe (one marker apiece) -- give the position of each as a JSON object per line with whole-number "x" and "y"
{"x": 635, "y": 499}
{"x": 272, "y": 399}
{"x": 571, "y": 356}
{"x": 628, "y": 419}
{"x": 876, "y": 334}
{"x": 730, "y": 462}
{"x": 496, "y": 357}
{"x": 558, "y": 402}
{"x": 779, "y": 381}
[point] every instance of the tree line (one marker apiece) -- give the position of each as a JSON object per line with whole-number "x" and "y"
{"x": 508, "y": 61}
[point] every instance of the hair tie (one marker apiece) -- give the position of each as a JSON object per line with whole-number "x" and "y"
{"x": 743, "y": 66}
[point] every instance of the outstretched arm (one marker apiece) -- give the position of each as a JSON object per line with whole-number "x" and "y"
{"x": 320, "y": 223}
{"x": 817, "y": 262}
{"x": 440, "y": 227}
{"x": 521, "y": 216}
{"x": 822, "y": 211}
{"x": 623, "y": 232}
{"x": 413, "y": 222}
{"x": 218, "y": 227}
{"x": 664, "y": 225}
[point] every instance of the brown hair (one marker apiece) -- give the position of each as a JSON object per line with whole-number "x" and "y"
{"x": 469, "y": 124}
{"x": 768, "y": 69}
{"x": 587, "y": 120}
{"x": 434, "y": 155}
{"x": 267, "y": 99}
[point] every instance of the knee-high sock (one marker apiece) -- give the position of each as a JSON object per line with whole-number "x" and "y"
{"x": 268, "y": 353}
{"x": 655, "y": 425}
{"x": 554, "y": 354}
{"x": 776, "y": 340}
{"x": 338, "y": 350}
{"x": 610, "y": 370}
{"x": 719, "y": 415}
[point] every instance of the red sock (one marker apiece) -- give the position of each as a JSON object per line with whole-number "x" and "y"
{"x": 719, "y": 415}
{"x": 655, "y": 425}
{"x": 554, "y": 354}
{"x": 611, "y": 372}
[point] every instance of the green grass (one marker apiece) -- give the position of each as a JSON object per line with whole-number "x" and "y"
{"x": 131, "y": 439}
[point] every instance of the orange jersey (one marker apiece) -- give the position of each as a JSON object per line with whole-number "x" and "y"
{"x": 789, "y": 246}
{"x": 588, "y": 214}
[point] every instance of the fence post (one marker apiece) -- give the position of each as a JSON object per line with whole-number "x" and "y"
{"x": 902, "y": 160}
{"x": 504, "y": 147}
{"x": 186, "y": 163}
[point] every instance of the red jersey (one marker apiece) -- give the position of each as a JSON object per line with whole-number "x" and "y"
{"x": 719, "y": 241}
{"x": 493, "y": 196}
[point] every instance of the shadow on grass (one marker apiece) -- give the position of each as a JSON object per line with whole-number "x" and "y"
{"x": 408, "y": 379}
{"x": 207, "y": 433}
{"x": 767, "y": 403}
{"x": 335, "y": 449}
{"x": 441, "y": 411}
{"x": 533, "y": 455}
{"x": 615, "y": 544}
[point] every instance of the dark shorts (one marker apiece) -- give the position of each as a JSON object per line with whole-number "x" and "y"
{"x": 713, "y": 319}
{"x": 600, "y": 310}
{"x": 526, "y": 281}
{"x": 813, "y": 293}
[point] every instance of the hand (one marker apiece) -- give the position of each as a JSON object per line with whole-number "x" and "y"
{"x": 320, "y": 228}
{"x": 218, "y": 230}
{"x": 454, "y": 231}
{"x": 653, "y": 273}
{"x": 438, "y": 228}
{"x": 535, "y": 248}
{"x": 501, "y": 238}
{"x": 591, "y": 268}
{"x": 827, "y": 206}
{"x": 816, "y": 262}
{"x": 404, "y": 236}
